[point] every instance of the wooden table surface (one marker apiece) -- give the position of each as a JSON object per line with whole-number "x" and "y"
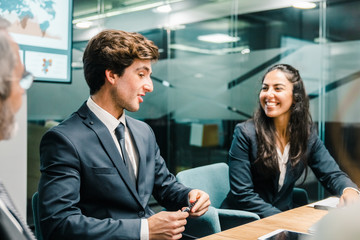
{"x": 298, "y": 219}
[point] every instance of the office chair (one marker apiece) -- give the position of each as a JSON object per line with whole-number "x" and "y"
{"x": 35, "y": 210}
{"x": 300, "y": 197}
{"x": 214, "y": 180}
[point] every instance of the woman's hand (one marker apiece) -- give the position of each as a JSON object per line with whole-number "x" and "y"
{"x": 349, "y": 196}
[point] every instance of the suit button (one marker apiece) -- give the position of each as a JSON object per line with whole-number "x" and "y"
{"x": 141, "y": 214}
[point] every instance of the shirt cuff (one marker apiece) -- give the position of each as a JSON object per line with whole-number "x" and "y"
{"x": 352, "y": 189}
{"x": 144, "y": 230}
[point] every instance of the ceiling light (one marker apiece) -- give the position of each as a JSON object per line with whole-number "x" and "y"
{"x": 117, "y": 12}
{"x": 218, "y": 38}
{"x": 221, "y": 51}
{"x": 304, "y": 5}
{"x": 83, "y": 25}
{"x": 173, "y": 27}
{"x": 165, "y": 83}
{"x": 164, "y": 8}
{"x": 245, "y": 51}
{"x": 199, "y": 75}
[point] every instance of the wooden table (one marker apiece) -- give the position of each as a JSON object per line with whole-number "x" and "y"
{"x": 298, "y": 219}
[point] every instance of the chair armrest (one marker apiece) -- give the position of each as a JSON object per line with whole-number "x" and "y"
{"x": 205, "y": 225}
{"x": 230, "y": 218}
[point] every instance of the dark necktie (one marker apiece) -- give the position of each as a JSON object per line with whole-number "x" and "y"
{"x": 120, "y": 134}
{"x": 4, "y": 196}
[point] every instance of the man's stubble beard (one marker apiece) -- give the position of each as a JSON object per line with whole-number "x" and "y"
{"x": 119, "y": 102}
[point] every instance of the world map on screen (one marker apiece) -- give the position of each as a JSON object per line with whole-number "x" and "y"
{"x": 42, "y": 28}
{"x": 29, "y": 16}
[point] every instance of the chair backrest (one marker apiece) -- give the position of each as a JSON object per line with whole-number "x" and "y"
{"x": 213, "y": 179}
{"x": 35, "y": 210}
{"x": 300, "y": 197}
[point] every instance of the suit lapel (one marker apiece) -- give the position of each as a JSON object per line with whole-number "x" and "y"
{"x": 90, "y": 120}
{"x": 139, "y": 144}
{"x": 287, "y": 180}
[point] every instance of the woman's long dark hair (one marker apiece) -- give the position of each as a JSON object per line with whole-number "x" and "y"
{"x": 298, "y": 127}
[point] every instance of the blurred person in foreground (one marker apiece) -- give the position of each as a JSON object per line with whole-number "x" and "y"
{"x": 341, "y": 223}
{"x": 13, "y": 83}
{"x": 100, "y": 167}
{"x": 270, "y": 152}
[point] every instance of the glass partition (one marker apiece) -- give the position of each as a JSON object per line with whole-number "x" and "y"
{"x": 214, "y": 71}
{"x": 214, "y": 67}
{"x": 342, "y": 95}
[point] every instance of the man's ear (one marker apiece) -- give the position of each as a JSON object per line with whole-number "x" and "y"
{"x": 110, "y": 76}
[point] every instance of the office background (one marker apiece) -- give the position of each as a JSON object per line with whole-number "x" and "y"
{"x": 213, "y": 55}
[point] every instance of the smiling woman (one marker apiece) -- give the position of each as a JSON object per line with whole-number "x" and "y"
{"x": 283, "y": 102}
{"x": 270, "y": 152}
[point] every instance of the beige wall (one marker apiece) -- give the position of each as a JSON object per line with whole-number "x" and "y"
{"x": 13, "y": 162}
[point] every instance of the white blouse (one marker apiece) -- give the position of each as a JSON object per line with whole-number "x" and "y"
{"x": 283, "y": 159}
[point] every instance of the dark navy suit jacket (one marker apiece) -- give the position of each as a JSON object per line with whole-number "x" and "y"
{"x": 251, "y": 190}
{"x": 10, "y": 219}
{"x": 85, "y": 191}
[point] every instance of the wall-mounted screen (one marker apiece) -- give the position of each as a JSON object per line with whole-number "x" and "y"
{"x": 43, "y": 30}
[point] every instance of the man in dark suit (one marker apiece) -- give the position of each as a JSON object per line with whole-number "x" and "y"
{"x": 12, "y": 87}
{"x": 99, "y": 167}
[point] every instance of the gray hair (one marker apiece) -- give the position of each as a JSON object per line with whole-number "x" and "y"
{"x": 7, "y": 60}
{"x": 4, "y": 24}
{"x": 7, "y": 64}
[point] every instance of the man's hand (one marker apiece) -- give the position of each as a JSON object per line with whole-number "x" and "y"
{"x": 167, "y": 225}
{"x": 202, "y": 204}
{"x": 348, "y": 197}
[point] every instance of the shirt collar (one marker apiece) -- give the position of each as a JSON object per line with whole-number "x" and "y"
{"x": 109, "y": 120}
{"x": 285, "y": 155}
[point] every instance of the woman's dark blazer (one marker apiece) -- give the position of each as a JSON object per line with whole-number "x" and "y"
{"x": 251, "y": 190}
